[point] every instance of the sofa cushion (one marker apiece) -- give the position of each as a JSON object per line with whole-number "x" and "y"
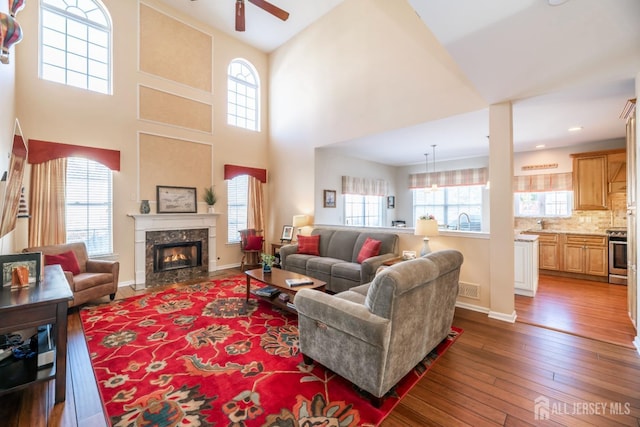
{"x": 371, "y": 247}
{"x": 347, "y": 270}
{"x": 309, "y": 245}
{"x": 67, "y": 260}
{"x": 322, "y": 264}
{"x": 341, "y": 245}
{"x": 298, "y": 261}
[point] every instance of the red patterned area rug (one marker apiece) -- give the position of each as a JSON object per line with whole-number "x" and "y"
{"x": 200, "y": 355}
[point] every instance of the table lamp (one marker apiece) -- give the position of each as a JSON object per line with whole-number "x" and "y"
{"x": 426, "y": 227}
{"x": 300, "y": 221}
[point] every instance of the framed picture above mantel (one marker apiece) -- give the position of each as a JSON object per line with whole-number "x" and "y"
{"x": 176, "y": 199}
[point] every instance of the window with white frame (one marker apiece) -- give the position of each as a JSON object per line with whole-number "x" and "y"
{"x": 543, "y": 204}
{"x": 365, "y": 211}
{"x": 89, "y": 205}
{"x": 237, "y": 201}
{"x": 449, "y": 206}
{"x": 75, "y": 44}
{"x": 243, "y": 86}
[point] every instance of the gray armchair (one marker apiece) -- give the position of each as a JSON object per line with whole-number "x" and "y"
{"x": 374, "y": 334}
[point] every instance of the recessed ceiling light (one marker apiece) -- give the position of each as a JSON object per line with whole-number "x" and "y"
{"x": 540, "y": 146}
{"x": 575, "y": 129}
{"x": 556, "y": 2}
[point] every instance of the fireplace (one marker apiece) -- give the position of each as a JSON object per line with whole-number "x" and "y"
{"x": 173, "y": 256}
{"x": 176, "y": 255}
{"x": 152, "y": 229}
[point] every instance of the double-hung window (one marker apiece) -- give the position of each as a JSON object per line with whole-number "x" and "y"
{"x": 365, "y": 211}
{"x": 75, "y": 44}
{"x": 458, "y": 207}
{"x": 237, "y": 202}
{"x": 364, "y": 201}
{"x": 89, "y": 207}
{"x": 543, "y": 195}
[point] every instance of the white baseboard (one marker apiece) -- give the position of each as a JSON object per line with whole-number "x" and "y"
{"x": 511, "y": 318}
{"x": 472, "y": 307}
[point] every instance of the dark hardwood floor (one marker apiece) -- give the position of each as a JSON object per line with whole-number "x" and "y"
{"x": 580, "y": 307}
{"x": 492, "y": 376}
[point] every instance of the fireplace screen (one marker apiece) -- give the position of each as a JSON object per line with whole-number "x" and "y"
{"x": 173, "y": 256}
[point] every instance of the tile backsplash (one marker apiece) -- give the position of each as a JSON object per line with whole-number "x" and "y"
{"x": 580, "y": 221}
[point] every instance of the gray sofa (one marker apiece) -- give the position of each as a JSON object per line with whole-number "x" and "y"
{"x": 374, "y": 334}
{"x": 337, "y": 264}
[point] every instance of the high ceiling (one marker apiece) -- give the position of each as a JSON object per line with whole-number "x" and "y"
{"x": 562, "y": 66}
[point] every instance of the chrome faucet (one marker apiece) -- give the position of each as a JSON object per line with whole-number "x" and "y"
{"x": 540, "y": 222}
{"x": 468, "y": 219}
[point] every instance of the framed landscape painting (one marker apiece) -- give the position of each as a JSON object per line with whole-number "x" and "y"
{"x": 176, "y": 199}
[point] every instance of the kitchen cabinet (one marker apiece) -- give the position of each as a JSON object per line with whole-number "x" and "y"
{"x": 586, "y": 254}
{"x": 549, "y": 253}
{"x": 590, "y": 181}
{"x": 617, "y": 172}
{"x": 525, "y": 267}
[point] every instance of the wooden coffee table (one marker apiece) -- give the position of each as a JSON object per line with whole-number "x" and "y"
{"x": 277, "y": 279}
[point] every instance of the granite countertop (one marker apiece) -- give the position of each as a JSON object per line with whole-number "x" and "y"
{"x": 590, "y": 233}
{"x": 525, "y": 237}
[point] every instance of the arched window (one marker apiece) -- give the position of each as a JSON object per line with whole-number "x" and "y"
{"x": 75, "y": 44}
{"x": 243, "y": 86}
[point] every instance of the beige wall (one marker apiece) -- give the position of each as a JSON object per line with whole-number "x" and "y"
{"x": 59, "y": 113}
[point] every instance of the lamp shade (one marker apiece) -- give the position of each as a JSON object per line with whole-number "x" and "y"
{"x": 300, "y": 221}
{"x": 426, "y": 227}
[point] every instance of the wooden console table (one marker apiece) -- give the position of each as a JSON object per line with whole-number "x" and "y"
{"x": 37, "y": 305}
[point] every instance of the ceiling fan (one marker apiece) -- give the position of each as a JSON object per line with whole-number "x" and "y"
{"x": 264, "y": 5}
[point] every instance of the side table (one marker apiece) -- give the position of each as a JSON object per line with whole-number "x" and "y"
{"x": 40, "y": 304}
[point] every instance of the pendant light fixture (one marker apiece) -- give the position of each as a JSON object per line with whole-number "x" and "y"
{"x": 434, "y": 186}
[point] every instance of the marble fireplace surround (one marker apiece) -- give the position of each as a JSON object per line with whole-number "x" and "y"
{"x": 169, "y": 222}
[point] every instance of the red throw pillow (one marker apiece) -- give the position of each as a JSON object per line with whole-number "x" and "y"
{"x": 309, "y": 245}
{"x": 254, "y": 243}
{"x": 66, "y": 260}
{"x": 371, "y": 247}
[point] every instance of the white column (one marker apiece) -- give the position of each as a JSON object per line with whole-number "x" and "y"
{"x": 501, "y": 246}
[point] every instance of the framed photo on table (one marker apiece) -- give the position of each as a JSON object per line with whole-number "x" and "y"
{"x": 287, "y": 233}
{"x": 176, "y": 199}
{"x": 329, "y": 198}
{"x": 29, "y": 261}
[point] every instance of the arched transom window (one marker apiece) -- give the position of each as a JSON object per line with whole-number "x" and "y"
{"x": 242, "y": 97}
{"x": 75, "y": 44}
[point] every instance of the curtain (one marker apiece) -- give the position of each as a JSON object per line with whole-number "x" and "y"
{"x": 453, "y": 178}
{"x": 46, "y": 197}
{"x": 543, "y": 182}
{"x": 255, "y": 205}
{"x": 364, "y": 186}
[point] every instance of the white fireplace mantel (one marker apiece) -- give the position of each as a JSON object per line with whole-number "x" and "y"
{"x": 162, "y": 222}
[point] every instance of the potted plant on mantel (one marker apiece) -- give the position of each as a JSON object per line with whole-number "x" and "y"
{"x": 210, "y": 198}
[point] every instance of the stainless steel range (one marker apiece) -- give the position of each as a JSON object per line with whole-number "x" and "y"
{"x": 617, "y": 255}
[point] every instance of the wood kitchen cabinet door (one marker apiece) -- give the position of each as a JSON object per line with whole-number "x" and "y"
{"x": 590, "y": 182}
{"x": 574, "y": 258}
{"x": 548, "y": 251}
{"x": 586, "y": 254}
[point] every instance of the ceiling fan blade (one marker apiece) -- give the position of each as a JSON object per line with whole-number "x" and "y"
{"x": 272, "y": 9}
{"x": 239, "y": 15}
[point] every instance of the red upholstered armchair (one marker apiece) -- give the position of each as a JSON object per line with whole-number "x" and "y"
{"x": 251, "y": 246}
{"x": 88, "y": 279}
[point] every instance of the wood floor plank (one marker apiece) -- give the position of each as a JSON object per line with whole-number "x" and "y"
{"x": 490, "y": 376}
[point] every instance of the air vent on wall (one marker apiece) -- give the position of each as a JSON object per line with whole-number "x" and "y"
{"x": 469, "y": 290}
